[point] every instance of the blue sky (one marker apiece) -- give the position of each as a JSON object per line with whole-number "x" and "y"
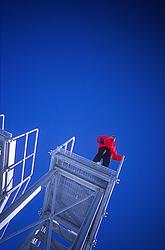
{"x": 89, "y": 68}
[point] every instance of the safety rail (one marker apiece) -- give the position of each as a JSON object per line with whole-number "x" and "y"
{"x": 14, "y": 173}
{"x": 65, "y": 145}
{"x": 24, "y": 159}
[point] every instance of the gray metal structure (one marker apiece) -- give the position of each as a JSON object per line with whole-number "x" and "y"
{"x": 77, "y": 193}
{"x": 16, "y": 169}
{"x": 76, "y": 197}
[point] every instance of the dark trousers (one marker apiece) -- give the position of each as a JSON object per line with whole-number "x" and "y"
{"x": 103, "y": 153}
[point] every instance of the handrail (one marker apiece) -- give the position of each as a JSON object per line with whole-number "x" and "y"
{"x": 65, "y": 145}
{"x": 120, "y": 165}
{"x": 25, "y": 157}
{"x": 9, "y": 173}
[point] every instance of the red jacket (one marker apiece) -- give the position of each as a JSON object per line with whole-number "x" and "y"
{"x": 105, "y": 141}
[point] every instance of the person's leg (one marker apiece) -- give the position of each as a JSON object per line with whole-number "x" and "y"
{"x": 99, "y": 155}
{"x": 106, "y": 158}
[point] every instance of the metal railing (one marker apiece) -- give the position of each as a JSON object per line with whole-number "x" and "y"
{"x": 66, "y": 144}
{"x": 10, "y": 173}
{"x": 24, "y": 159}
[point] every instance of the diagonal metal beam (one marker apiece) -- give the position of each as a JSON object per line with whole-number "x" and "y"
{"x": 74, "y": 204}
{"x": 24, "y": 229}
{"x": 22, "y": 201}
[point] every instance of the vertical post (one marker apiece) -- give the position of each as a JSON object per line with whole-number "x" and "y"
{"x": 73, "y": 142}
{"x": 120, "y": 166}
{"x": 3, "y": 121}
{"x": 24, "y": 157}
{"x": 34, "y": 152}
{"x": 54, "y": 183}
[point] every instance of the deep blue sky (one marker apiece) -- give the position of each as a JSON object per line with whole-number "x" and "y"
{"x": 82, "y": 69}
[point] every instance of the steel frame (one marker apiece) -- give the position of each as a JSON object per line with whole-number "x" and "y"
{"x": 91, "y": 186}
{"x": 83, "y": 237}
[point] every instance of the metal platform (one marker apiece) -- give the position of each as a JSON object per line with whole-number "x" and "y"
{"x": 76, "y": 197}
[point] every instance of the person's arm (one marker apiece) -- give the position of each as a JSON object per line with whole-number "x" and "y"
{"x": 115, "y": 156}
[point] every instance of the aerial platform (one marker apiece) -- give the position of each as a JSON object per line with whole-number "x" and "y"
{"x": 76, "y": 197}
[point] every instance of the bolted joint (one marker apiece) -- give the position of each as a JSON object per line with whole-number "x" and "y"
{"x": 118, "y": 181}
{"x": 94, "y": 242}
{"x": 40, "y": 212}
{"x": 105, "y": 214}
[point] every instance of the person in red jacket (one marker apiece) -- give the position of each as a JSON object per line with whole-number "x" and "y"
{"x": 106, "y": 150}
